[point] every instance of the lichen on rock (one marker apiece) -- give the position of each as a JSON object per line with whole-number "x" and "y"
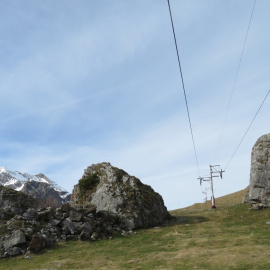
{"x": 136, "y": 205}
{"x": 259, "y": 189}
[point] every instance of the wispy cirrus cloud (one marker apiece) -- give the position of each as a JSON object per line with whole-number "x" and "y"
{"x": 84, "y": 82}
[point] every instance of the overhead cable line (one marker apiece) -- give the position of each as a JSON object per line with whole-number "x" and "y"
{"x": 235, "y": 79}
{"x": 247, "y": 129}
{"x": 184, "y": 90}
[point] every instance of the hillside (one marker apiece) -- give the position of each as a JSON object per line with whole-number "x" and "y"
{"x": 230, "y": 199}
{"x": 229, "y": 237}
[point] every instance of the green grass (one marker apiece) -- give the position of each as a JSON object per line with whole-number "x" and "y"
{"x": 230, "y": 237}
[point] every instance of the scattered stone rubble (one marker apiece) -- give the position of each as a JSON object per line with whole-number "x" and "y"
{"x": 106, "y": 202}
{"x": 36, "y": 229}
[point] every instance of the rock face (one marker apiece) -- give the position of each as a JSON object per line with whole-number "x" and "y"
{"x": 15, "y": 239}
{"x": 259, "y": 189}
{"x": 112, "y": 190}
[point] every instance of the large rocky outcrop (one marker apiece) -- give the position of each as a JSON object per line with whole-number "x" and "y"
{"x": 110, "y": 189}
{"x": 259, "y": 189}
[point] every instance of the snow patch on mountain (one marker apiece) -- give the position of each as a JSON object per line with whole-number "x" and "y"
{"x": 21, "y": 181}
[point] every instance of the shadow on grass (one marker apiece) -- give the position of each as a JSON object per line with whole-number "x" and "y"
{"x": 187, "y": 220}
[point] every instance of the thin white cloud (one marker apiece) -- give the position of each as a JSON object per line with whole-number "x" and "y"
{"x": 89, "y": 82}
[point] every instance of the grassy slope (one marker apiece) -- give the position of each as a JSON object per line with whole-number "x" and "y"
{"x": 230, "y": 237}
{"x": 231, "y": 199}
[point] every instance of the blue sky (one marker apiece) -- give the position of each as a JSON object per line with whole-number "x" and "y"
{"x": 84, "y": 82}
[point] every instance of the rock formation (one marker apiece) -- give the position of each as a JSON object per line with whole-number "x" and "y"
{"x": 259, "y": 189}
{"x": 110, "y": 189}
{"x": 24, "y": 230}
{"x": 106, "y": 202}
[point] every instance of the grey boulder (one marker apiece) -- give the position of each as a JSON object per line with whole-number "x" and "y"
{"x": 15, "y": 239}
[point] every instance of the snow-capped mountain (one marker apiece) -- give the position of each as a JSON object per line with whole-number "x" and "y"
{"x": 38, "y": 186}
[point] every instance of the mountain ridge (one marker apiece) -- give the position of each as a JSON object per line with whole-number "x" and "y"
{"x": 38, "y": 186}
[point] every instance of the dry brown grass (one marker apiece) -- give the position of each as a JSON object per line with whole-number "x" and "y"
{"x": 231, "y": 199}
{"x": 230, "y": 237}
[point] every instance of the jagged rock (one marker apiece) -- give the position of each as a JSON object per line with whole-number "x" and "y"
{"x": 14, "y": 251}
{"x": 28, "y": 232}
{"x": 84, "y": 236}
{"x": 108, "y": 217}
{"x": 87, "y": 228}
{"x": 94, "y": 236}
{"x": 66, "y": 208}
{"x": 75, "y": 215}
{"x": 37, "y": 243}
{"x": 68, "y": 226}
{"x": 58, "y": 214}
{"x": 83, "y": 227}
{"x": 45, "y": 215}
{"x": 266, "y": 199}
{"x": 112, "y": 190}
{"x": 259, "y": 188}
{"x": 54, "y": 222}
{"x": 15, "y": 239}
{"x": 30, "y": 214}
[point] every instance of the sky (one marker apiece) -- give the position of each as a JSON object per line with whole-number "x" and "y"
{"x": 83, "y": 82}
